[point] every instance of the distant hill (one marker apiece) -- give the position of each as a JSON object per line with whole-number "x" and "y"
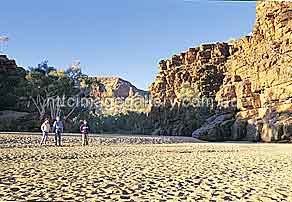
{"x": 115, "y": 87}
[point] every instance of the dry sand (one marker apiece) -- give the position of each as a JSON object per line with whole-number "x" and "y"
{"x": 143, "y": 172}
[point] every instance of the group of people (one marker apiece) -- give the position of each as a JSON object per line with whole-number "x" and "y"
{"x": 58, "y": 129}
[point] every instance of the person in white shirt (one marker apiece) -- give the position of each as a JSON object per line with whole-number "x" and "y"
{"x": 45, "y": 129}
{"x": 84, "y": 129}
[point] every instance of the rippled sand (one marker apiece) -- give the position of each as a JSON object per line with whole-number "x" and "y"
{"x": 143, "y": 172}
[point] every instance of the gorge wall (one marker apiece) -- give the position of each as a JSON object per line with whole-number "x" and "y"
{"x": 202, "y": 68}
{"x": 249, "y": 79}
{"x": 10, "y": 76}
{"x": 258, "y": 80}
{"x": 7, "y": 65}
{"x": 199, "y": 72}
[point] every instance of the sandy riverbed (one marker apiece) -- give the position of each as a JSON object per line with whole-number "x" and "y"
{"x": 119, "y": 171}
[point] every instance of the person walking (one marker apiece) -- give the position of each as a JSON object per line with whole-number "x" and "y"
{"x": 84, "y": 129}
{"x": 45, "y": 127}
{"x": 58, "y": 129}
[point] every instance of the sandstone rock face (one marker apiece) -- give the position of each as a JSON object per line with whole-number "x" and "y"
{"x": 10, "y": 76}
{"x": 258, "y": 81}
{"x": 114, "y": 95}
{"x": 113, "y": 86}
{"x": 216, "y": 128}
{"x": 201, "y": 67}
{"x": 197, "y": 73}
{"x": 6, "y": 64}
{"x": 251, "y": 76}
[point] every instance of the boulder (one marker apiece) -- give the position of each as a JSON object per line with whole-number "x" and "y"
{"x": 216, "y": 128}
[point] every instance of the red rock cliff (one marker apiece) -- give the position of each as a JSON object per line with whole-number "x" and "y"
{"x": 259, "y": 76}
{"x": 251, "y": 76}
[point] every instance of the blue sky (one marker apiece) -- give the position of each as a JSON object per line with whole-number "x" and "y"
{"x": 124, "y": 38}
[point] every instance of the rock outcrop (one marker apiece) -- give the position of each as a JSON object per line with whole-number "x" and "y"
{"x": 6, "y": 65}
{"x": 113, "y": 87}
{"x": 195, "y": 74}
{"x": 216, "y": 128}
{"x": 258, "y": 82}
{"x": 114, "y": 95}
{"x": 201, "y": 67}
{"x": 251, "y": 79}
{"x": 12, "y": 117}
{"x": 10, "y": 76}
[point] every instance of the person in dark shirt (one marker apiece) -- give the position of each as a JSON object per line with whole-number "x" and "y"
{"x": 84, "y": 129}
{"x": 58, "y": 128}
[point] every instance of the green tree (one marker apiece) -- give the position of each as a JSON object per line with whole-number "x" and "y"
{"x": 49, "y": 92}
